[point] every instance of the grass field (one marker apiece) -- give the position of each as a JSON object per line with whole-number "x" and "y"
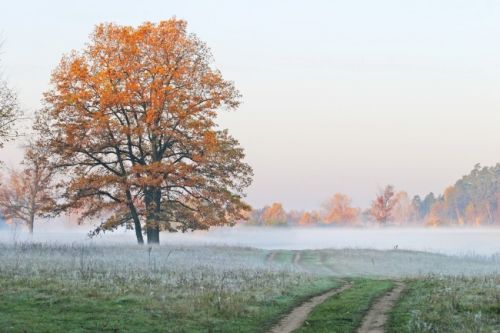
{"x": 130, "y": 289}
{"x": 449, "y": 304}
{"x": 120, "y": 288}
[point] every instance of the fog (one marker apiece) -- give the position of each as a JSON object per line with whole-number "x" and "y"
{"x": 454, "y": 241}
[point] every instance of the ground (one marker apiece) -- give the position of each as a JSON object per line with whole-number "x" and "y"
{"x": 122, "y": 288}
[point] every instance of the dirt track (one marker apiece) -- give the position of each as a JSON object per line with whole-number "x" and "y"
{"x": 296, "y": 258}
{"x": 296, "y": 318}
{"x": 271, "y": 256}
{"x": 374, "y": 321}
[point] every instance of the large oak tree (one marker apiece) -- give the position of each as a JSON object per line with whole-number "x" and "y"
{"x": 131, "y": 123}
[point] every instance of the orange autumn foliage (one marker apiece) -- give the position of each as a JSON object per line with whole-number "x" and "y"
{"x": 338, "y": 210}
{"x": 437, "y": 215}
{"x": 130, "y": 121}
{"x": 383, "y": 205}
{"x": 274, "y": 214}
{"x": 309, "y": 219}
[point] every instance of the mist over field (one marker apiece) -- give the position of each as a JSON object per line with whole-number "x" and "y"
{"x": 482, "y": 241}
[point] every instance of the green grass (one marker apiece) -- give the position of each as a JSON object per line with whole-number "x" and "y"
{"x": 344, "y": 312}
{"x": 448, "y": 304}
{"x": 312, "y": 261}
{"x": 283, "y": 257}
{"x": 113, "y": 289}
{"x": 45, "y": 306}
{"x": 120, "y": 288}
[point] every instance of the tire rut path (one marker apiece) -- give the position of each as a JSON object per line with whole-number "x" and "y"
{"x": 296, "y": 258}
{"x": 296, "y": 318}
{"x": 376, "y": 318}
{"x": 270, "y": 256}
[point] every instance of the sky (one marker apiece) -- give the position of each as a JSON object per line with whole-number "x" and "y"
{"x": 338, "y": 96}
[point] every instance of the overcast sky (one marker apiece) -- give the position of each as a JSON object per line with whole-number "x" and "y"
{"x": 339, "y": 96}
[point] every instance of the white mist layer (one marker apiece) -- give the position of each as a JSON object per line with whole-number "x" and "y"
{"x": 454, "y": 241}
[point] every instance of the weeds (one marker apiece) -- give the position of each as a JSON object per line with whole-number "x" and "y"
{"x": 195, "y": 289}
{"x": 449, "y": 304}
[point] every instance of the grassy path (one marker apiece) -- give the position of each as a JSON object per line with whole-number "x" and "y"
{"x": 375, "y": 320}
{"x": 296, "y": 318}
{"x": 364, "y": 304}
{"x": 424, "y": 304}
{"x": 344, "y": 312}
{"x": 271, "y": 256}
{"x": 296, "y": 257}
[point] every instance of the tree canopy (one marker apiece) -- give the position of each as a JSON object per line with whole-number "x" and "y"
{"x": 131, "y": 124}
{"x": 27, "y": 193}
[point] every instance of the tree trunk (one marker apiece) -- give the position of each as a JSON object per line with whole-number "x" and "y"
{"x": 153, "y": 233}
{"x": 459, "y": 217}
{"x": 152, "y": 200}
{"x": 137, "y": 227}
{"x": 490, "y": 214}
{"x": 30, "y": 223}
{"x": 135, "y": 217}
{"x": 138, "y": 232}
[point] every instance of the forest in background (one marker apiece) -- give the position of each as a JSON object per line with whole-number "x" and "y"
{"x": 474, "y": 200}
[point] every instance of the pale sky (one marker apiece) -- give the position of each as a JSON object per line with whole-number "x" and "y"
{"x": 339, "y": 96}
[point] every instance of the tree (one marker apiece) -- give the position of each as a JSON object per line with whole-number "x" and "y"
{"x": 437, "y": 215}
{"x": 416, "y": 204}
{"x": 427, "y": 203}
{"x": 309, "y": 218}
{"x": 383, "y": 204}
{"x": 255, "y": 216}
{"x": 130, "y": 122}
{"x": 473, "y": 199}
{"x": 293, "y": 217}
{"x": 338, "y": 210}
{"x": 9, "y": 113}
{"x": 403, "y": 210}
{"x": 450, "y": 205}
{"x": 27, "y": 193}
{"x": 274, "y": 215}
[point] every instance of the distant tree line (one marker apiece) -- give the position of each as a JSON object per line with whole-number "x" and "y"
{"x": 473, "y": 200}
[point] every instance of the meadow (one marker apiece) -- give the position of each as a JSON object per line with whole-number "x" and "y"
{"x": 50, "y": 287}
{"x": 118, "y": 129}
